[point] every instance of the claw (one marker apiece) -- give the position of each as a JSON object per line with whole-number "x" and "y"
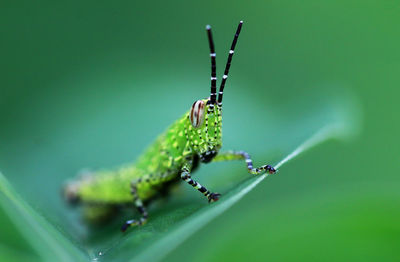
{"x": 271, "y": 169}
{"x": 128, "y": 224}
{"x": 125, "y": 227}
{"x": 213, "y": 197}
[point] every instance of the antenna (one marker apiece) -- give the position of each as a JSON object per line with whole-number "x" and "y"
{"x": 228, "y": 64}
{"x": 213, "y": 95}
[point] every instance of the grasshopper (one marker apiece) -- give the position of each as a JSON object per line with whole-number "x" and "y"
{"x": 193, "y": 139}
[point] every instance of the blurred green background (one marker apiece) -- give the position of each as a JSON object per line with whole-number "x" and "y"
{"x": 90, "y": 84}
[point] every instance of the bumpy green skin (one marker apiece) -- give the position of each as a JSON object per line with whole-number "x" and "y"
{"x": 161, "y": 162}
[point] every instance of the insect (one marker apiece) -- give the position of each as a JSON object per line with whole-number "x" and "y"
{"x": 193, "y": 139}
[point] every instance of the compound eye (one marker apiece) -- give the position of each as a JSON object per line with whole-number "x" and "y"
{"x": 197, "y": 113}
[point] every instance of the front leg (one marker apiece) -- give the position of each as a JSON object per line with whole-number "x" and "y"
{"x": 239, "y": 155}
{"x": 185, "y": 175}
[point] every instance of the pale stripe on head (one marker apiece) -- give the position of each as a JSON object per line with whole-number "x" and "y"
{"x": 197, "y": 113}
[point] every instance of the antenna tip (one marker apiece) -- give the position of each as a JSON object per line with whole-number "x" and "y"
{"x": 241, "y": 22}
{"x": 208, "y": 27}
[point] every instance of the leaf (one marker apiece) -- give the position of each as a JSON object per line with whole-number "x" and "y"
{"x": 58, "y": 234}
{"x": 192, "y": 224}
{"x": 44, "y": 237}
{"x": 170, "y": 226}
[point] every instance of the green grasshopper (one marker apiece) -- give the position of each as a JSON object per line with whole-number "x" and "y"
{"x": 194, "y": 138}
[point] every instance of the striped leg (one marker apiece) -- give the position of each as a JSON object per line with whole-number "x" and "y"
{"x": 139, "y": 205}
{"x": 185, "y": 175}
{"x": 239, "y": 155}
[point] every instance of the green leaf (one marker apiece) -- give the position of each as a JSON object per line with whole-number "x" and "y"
{"x": 44, "y": 237}
{"x": 172, "y": 220}
{"x": 190, "y": 225}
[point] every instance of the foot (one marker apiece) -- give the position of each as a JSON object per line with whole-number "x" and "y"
{"x": 213, "y": 197}
{"x": 270, "y": 169}
{"x": 130, "y": 223}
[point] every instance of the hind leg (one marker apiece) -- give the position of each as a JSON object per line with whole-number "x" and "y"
{"x": 140, "y": 207}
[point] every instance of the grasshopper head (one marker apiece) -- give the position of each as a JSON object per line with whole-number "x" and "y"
{"x": 205, "y": 127}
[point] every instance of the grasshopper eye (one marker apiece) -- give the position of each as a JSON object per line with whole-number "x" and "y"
{"x": 197, "y": 113}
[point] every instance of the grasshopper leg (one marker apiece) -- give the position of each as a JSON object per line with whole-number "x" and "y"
{"x": 140, "y": 207}
{"x": 242, "y": 155}
{"x": 185, "y": 175}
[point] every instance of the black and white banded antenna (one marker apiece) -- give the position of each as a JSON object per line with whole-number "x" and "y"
{"x": 228, "y": 64}
{"x": 213, "y": 94}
